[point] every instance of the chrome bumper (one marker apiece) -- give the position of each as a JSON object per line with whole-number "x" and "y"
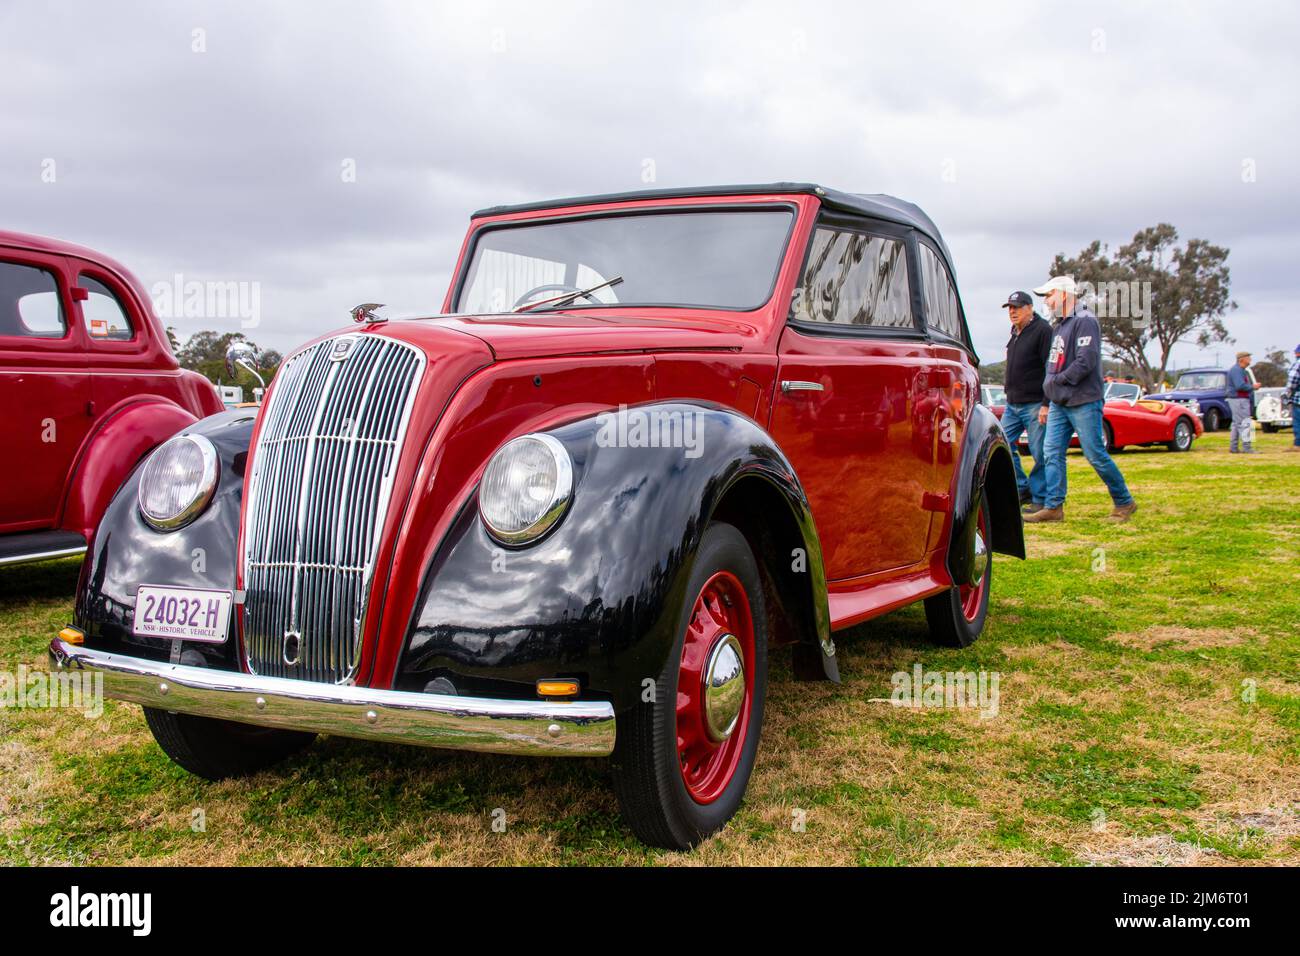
{"x": 530, "y": 727}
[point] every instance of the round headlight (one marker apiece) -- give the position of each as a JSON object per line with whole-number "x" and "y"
{"x": 525, "y": 489}
{"x": 177, "y": 482}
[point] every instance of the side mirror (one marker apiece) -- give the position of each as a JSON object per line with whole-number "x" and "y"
{"x": 242, "y": 355}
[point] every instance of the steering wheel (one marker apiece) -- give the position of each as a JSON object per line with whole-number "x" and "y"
{"x": 557, "y": 287}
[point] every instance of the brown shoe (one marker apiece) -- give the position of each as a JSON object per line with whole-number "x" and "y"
{"x": 1046, "y": 514}
{"x": 1124, "y": 512}
{"x": 1293, "y": 447}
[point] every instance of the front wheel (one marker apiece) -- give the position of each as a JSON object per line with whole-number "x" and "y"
{"x": 956, "y": 616}
{"x": 1183, "y": 435}
{"x": 683, "y": 759}
{"x": 217, "y": 749}
{"x": 1213, "y": 420}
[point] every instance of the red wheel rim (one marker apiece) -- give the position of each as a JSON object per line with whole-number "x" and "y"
{"x": 707, "y": 766}
{"x": 972, "y": 595}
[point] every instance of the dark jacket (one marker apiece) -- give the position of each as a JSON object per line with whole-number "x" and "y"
{"x": 1074, "y": 362}
{"x": 1027, "y": 361}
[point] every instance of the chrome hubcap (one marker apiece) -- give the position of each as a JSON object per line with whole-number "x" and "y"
{"x": 979, "y": 559}
{"x": 724, "y": 687}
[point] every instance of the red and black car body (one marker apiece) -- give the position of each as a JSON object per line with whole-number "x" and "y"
{"x": 844, "y": 468}
{"x": 88, "y": 387}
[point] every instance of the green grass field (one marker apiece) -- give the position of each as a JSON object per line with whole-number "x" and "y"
{"x": 1149, "y": 713}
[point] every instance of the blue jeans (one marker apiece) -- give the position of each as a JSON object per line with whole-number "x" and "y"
{"x": 1085, "y": 421}
{"x": 1018, "y": 419}
{"x": 1295, "y": 422}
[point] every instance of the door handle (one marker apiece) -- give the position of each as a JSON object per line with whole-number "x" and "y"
{"x": 793, "y": 386}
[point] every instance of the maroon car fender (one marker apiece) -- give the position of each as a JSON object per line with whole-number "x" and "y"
{"x": 109, "y": 453}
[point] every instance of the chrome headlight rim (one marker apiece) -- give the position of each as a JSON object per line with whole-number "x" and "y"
{"x": 208, "y": 487}
{"x": 561, "y": 496}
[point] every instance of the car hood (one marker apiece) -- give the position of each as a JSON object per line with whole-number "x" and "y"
{"x": 1185, "y": 394}
{"x": 537, "y": 335}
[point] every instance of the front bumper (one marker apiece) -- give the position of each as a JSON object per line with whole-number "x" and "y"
{"x": 535, "y": 728}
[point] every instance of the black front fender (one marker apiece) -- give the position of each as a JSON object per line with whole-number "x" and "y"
{"x": 602, "y": 596}
{"x": 127, "y": 552}
{"x": 984, "y": 470}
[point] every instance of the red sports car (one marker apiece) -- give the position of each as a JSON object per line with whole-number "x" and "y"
{"x": 1131, "y": 419}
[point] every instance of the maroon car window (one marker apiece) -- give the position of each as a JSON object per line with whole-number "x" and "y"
{"x": 855, "y": 279}
{"x": 724, "y": 259}
{"x": 941, "y": 309}
{"x": 103, "y": 313}
{"x": 29, "y": 302}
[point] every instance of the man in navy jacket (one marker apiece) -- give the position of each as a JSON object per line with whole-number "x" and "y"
{"x": 1073, "y": 386}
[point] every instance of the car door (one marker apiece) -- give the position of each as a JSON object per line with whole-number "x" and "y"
{"x": 852, "y": 367}
{"x": 44, "y": 388}
{"x": 951, "y": 380}
{"x": 116, "y": 339}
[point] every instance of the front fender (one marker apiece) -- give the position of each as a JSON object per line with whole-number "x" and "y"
{"x": 984, "y": 470}
{"x": 112, "y": 451}
{"x": 602, "y": 596}
{"x": 127, "y": 552}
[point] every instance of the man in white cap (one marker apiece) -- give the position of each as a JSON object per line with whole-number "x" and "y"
{"x": 1074, "y": 388}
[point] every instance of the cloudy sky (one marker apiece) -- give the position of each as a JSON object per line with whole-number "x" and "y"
{"x": 331, "y": 153}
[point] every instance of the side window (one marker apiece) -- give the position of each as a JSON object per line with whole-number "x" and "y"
{"x": 30, "y": 303}
{"x": 855, "y": 279}
{"x": 105, "y": 317}
{"x": 941, "y": 309}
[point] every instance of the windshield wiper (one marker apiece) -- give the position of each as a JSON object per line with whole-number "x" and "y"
{"x": 570, "y": 296}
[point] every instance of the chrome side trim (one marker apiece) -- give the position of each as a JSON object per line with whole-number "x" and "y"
{"x": 550, "y": 728}
{"x": 42, "y": 556}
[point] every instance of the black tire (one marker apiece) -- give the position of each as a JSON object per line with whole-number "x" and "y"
{"x": 1110, "y": 438}
{"x": 1213, "y": 420}
{"x": 1184, "y": 434}
{"x": 648, "y": 775}
{"x": 1270, "y": 429}
{"x": 946, "y": 613}
{"x": 217, "y": 749}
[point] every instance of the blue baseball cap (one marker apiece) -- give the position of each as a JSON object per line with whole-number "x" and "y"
{"x": 1022, "y": 298}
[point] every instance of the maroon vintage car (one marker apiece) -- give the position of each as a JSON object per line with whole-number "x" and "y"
{"x": 88, "y": 387}
{"x": 650, "y": 436}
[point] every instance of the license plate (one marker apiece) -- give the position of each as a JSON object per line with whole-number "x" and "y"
{"x": 186, "y": 614}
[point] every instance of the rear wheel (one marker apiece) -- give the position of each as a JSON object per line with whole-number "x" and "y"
{"x": 683, "y": 759}
{"x": 217, "y": 749}
{"x": 1183, "y": 435}
{"x": 956, "y": 616}
{"x": 1110, "y": 437}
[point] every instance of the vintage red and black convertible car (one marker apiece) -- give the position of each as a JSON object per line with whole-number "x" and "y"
{"x": 651, "y": 436}
{"x": 1131, "y": 419}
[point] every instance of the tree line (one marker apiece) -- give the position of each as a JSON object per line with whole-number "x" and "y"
{"x": 205, "y": 353}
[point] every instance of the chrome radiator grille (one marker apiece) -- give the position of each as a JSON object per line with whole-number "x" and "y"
{"x": 320, "y": 487}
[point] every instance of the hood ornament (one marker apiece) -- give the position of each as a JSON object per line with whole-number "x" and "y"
{"x": 365, "y": 312}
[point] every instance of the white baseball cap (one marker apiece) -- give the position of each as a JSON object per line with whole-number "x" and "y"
{"x": 1063, "y": 283}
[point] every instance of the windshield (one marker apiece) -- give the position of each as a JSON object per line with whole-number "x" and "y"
{"x": 1124, "y": 390}
{"x": 995, "y": 395}
{"x": 726, "y": 259}
{"x": 1202, "y": 380}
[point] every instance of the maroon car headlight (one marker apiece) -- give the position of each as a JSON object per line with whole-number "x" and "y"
{"x": 526, "y": 489}
{"x": 178, "y": 481}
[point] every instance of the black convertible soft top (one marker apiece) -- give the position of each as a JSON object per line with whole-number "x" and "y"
{"x": 877, "y": 205}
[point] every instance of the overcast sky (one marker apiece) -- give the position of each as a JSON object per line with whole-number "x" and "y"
{"x": 217, "y": 140}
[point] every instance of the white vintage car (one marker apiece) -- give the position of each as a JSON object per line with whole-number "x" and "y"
{"x": 1269, "y": 410}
